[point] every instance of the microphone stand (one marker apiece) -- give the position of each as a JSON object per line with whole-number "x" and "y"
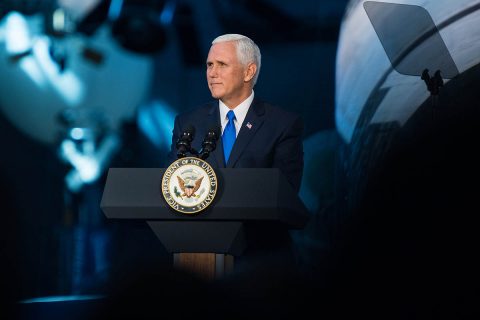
{"x": 208, "y": 145}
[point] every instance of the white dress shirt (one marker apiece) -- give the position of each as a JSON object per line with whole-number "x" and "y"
{"x": 240, "y": 113}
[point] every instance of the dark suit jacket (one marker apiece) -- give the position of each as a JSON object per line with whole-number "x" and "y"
{"x": 272, "y": 139}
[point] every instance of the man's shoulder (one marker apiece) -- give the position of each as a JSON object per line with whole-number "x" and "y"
{"x": 276, "y": 111}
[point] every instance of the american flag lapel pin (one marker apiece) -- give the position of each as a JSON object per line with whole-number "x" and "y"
{"x": 249, "y": 125}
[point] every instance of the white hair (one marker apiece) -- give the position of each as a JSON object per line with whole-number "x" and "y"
{"x": 247, "y": 50}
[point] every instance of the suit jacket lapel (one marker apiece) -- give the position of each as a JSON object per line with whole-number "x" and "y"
{"x": 216, "y": 157}
{"x": 253, "y": 121}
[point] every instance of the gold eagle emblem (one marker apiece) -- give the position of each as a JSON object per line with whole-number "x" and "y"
{"x": 189, "y": 188}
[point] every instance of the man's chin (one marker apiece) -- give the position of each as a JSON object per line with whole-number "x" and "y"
{"x": 216, "y": 95}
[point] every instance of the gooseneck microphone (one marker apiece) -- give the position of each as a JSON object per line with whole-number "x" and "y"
{"x": 183, "y": 144}
{"x": 210, "y": 142}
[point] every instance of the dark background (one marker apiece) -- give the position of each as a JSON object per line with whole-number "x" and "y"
{"x": 358, "y": 212}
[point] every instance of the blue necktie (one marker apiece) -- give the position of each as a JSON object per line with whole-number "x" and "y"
{"x": 229, "y": 135}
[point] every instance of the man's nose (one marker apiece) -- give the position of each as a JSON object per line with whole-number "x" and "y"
{"x": 212, "y": 72}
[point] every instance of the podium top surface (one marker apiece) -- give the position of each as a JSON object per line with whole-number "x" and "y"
{"x": 260, "y": 194}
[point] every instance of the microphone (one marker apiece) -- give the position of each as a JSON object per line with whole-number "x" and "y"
{"x": 210, "y": 142}
{"x": 183, "y": 144}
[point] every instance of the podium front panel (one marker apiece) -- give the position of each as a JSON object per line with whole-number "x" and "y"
{"x": 243, "y": 195}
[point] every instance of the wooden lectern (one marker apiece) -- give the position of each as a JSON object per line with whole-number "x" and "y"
{"x": 205, "y": 243}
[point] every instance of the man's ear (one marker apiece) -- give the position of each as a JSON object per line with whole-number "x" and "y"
{"x": 250, "y": 72}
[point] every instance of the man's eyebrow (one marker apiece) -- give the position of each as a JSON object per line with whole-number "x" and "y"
{"x": 218, "y": 61}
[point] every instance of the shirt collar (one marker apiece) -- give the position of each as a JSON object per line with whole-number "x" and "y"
{"x": 240, "y": 112}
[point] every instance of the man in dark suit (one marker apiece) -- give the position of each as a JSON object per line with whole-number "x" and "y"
{"x": 265, "y": 136}
{"x": 255, "y": 134}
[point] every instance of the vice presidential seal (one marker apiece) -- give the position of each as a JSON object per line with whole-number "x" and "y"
{"x": 189, "y": 185}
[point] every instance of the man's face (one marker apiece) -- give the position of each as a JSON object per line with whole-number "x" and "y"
{"x": 225, "y": 74}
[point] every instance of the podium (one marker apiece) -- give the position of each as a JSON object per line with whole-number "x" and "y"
{"x": 205, "y": 243}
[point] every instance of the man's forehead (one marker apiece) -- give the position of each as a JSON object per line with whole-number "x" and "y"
{"x": 222, "y": 49}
